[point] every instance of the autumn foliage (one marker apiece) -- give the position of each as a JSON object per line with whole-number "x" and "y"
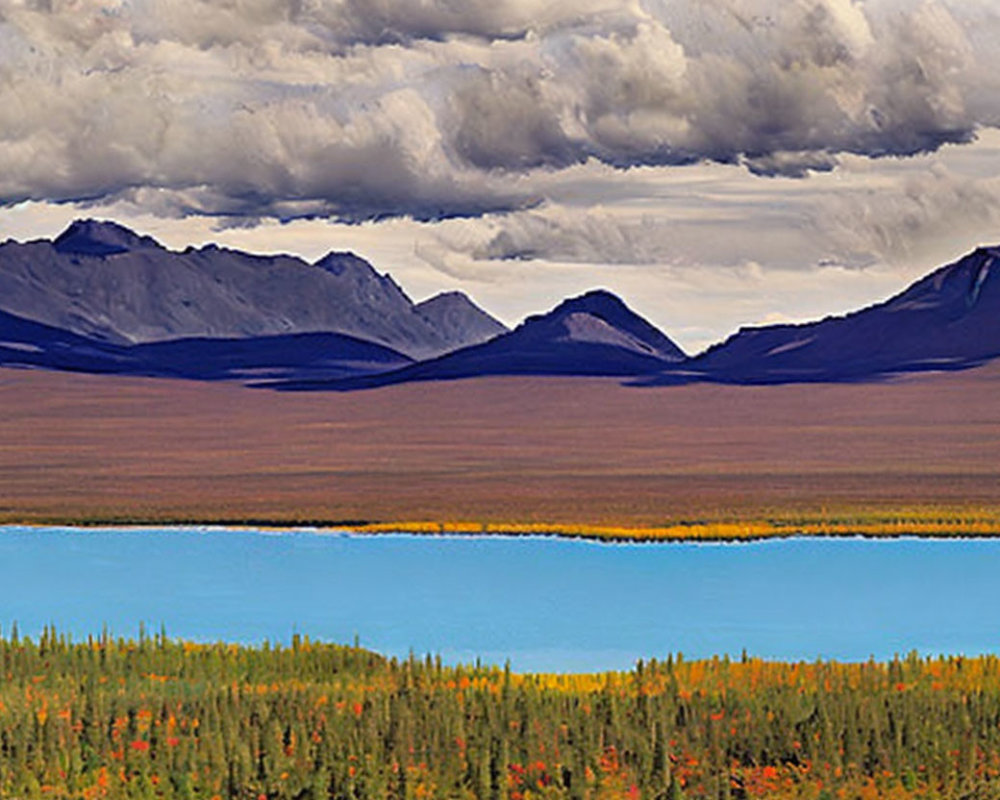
{"x": 157, "y": 718}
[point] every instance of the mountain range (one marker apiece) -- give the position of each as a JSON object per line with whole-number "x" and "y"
{"x": 101, "y": 298}
{"x": 594, "y": 334}
{"x": 104, "y": 282}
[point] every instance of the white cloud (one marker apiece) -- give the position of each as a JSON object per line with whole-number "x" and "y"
{"x": 617, "y": 143}
{"x": 371, "y": 108}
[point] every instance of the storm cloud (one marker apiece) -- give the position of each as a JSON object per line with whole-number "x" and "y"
{"x": 367, "y": 109}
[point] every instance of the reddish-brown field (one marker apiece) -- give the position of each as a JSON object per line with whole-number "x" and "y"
{"x": 500, "y": 450}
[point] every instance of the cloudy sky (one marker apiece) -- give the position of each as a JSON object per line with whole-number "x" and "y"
{"x": 715, "y": 162}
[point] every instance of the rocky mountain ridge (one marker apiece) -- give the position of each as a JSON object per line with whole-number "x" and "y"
{"x": 104, "y": 282}
{"x": 101, "y": 298}
{"x": 594, "y": 334}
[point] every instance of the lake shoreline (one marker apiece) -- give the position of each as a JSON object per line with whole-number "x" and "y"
{"x": 918, "y": 526}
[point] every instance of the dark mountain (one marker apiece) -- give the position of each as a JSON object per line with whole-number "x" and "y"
{"x": 102, "y": 281}
{"x": 101, "y": 298}
{"x": 88, "y": 237}
{"x": 948, "y": 320}
{"x": 24, "y": 343}
{"x": 599, "y": 317}
{"x": 594, "y": 334}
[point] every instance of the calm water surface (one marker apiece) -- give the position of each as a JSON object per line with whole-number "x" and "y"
{"x": 545, "y": 604}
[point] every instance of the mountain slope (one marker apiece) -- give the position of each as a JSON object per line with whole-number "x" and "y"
{"x": 594, "y": 334}
{"x": 102, "y": 281}
{"x": 459, "y": 320}
{"x": 24, "y": 343}
{"x": 947, "y": 320}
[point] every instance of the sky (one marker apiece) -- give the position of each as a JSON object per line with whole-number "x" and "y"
{"x": 716, "y": 163}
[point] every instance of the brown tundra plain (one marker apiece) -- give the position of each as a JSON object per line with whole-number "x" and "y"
{"x": 559, "y": 455}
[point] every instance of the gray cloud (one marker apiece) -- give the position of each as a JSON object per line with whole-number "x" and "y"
{"x": 360, "y": 109}
{"x": 404, "y": 20}
{"x": 901, "y": 213}
{"x": 923, "y": 210}
{"x": 557, "y": 234}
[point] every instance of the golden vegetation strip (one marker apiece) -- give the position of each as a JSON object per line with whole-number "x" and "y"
{"x": 157, "y": 718}
{"x": 982, "y": 523}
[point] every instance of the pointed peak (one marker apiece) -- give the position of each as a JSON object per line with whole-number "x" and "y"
{"x": 339, "y": 262}
{"x": 988, "y": 251}
{"x": 986, "y": 255}
{"x": 93, "y": 237}
{"x": 451, "y": 297}
{"x": 596, "y": 301}
{"x": 611, "y": 310}
{"x": 453, "y": 300}
{"x": 459, "y": 319}
{"x": 348, "y": 265}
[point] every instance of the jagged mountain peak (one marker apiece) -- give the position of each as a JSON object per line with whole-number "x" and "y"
{"x": 100, "y": 279}
{"x": 342, "y": 262}
{"x": 356, "y": 270}
{"x": 92, "y": 237}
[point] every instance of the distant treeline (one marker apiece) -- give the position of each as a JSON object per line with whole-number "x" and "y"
{"x": 158, "y": 718}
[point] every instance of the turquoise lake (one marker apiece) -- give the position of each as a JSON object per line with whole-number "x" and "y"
{"x": 544, "y": 604}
